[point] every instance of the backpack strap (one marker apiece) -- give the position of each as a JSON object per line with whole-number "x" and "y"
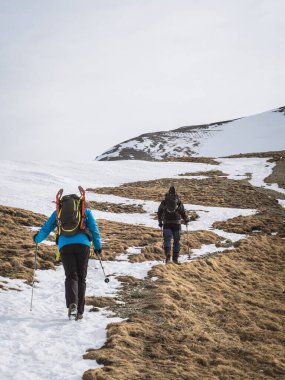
{"x": 83, "y": 207}
{"x": 57, "y": 201}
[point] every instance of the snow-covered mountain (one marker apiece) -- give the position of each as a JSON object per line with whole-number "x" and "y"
{"x": 258, "y": 133}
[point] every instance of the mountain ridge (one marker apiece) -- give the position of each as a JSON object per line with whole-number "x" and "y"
{"x": 205, "y": 139}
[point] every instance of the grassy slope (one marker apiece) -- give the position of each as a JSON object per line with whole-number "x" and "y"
{"x": 16, "y": 244}
{"x": 214, "y": 191}
{"x": 219, "y": 318}
{"x": 215, "y": 318}
{"x": 17, "y": 247}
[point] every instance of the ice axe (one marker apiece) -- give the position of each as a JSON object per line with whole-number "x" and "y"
{"x": 106, "y": 278}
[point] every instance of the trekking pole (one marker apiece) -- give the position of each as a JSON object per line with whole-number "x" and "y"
{"x": 188, "y": 248}
{"x": 106, "y": 278}
{"x": 162, "y": 237}
{"x": 34, "y": 274}
{"x": 163, "y": 246}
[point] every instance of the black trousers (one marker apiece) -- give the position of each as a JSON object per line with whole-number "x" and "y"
{"x": 75, "y": 258}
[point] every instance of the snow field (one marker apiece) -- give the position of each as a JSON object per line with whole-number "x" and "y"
{"x": 44, "y": 344}
{"x": 33, "y": 185}
{"x": 263, "y": 132}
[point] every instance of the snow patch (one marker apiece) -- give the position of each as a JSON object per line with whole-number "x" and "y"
{"x": 33, "y": 342}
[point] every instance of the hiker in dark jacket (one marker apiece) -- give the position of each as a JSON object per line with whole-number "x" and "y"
{"x": 170, "y": 213}
{"x": 74, "y": 251}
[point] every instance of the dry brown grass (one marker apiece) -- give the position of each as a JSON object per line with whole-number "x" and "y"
{"x": 278, "y": 172}
{"x": 99, "y": 302}
{"x": 118, "y": 237}
{"x": 115, "y": 207}
{"x": 17, "y": 247}
{"x": 202, "y": 160}
{"x": 194, "y": 239}
{"x": 275, "y": 155}
{"x": 267, "y": 221}
{"x": 209, "y": 173}
{"x": 16, "y": 244}
{"x": 218, "y": 318}
{"x": 215, "y": 191}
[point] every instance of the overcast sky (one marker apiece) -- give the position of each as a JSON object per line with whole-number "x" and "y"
{"x": 79, "y": 76}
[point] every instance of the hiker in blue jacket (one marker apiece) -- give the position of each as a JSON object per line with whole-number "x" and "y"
{"x": 74, "y": 251}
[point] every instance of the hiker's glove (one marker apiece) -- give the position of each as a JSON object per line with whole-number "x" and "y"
{"x": 160, "y": 224}
{"x": 34, "y": 238}
{"x": 187, "y": 221}
{"x": 98, "y": 251}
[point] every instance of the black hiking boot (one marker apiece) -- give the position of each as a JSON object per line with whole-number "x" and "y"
{"x": 175, "y": 261}
{"x": 167, "y": 259}
{"x": 79, "y": 316}
{"x": 72, "y": 311}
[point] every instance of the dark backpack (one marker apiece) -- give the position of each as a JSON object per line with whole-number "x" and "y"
{"x": 171, "y": 209}
{"x": 171, "y": 202}
{"x": 70, "y": 215}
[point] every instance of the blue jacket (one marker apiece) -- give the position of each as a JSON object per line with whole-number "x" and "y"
{"x": 79, "y": 238}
